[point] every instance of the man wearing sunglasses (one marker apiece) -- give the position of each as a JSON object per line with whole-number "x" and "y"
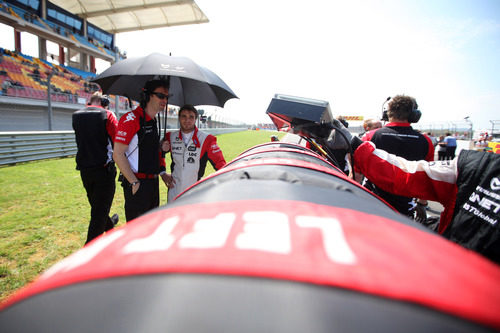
{"x": 137, "y": 151}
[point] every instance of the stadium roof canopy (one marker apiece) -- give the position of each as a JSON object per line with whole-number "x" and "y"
{"x": 115, "y": 16}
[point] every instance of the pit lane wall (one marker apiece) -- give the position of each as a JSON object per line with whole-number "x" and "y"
{"x": 19, "y": 147}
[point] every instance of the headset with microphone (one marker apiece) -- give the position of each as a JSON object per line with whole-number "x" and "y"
{"x": 385, "y": 117}
{"x": 104, "y": 101}
{"x": 413, "y": 117}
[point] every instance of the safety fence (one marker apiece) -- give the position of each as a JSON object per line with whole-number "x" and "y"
{"x": 18, "y": 147}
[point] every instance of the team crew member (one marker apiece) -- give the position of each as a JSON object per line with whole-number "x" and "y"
{"x": 137, "y": 151}
{"x": 399, "y": 138}
{"x": 468, "y": 187}
{"x": 95, "y": 129}
{"x": 370, "y": 125}
{"x": 190, "y": 150}
{"x": 451, "y": 146}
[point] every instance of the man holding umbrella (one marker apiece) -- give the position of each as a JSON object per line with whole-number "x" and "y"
{"x": 137, "y": 151}
{"x": 190, "y": 149}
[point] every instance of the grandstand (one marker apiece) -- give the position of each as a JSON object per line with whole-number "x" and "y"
{"x": 24, "y": 83}
{"x": 84, "y": 31}
{"x": 61, "y": 27}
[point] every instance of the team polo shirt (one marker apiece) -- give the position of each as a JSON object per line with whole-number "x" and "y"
{"x": 95, "y": 130}
{"x": 143, "y": 152}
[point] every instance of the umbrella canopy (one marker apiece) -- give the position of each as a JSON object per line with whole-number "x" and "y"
{"x": 189, "y": 82}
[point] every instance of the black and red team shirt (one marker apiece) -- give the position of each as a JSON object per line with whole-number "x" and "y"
{"x": 140, "y": 132}
{"x": 402, "y": 140}
{"x": 95, "y": 130}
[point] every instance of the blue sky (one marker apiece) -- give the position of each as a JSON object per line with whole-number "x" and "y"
{"x": 353, "y": 54}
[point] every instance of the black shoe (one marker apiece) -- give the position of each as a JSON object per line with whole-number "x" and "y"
{"x": 114, "y": 219}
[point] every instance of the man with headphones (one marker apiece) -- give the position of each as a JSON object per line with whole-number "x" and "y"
{"x": 399, "y": 138}
{"x": 95, "y": 129}
{"x": 137, "y": 151}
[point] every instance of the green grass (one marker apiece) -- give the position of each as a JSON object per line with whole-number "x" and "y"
{"x": 44, "y": 211}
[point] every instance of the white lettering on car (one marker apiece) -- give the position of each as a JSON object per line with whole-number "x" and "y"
{"x": 334, "y": 241}
{"x": 265, "y": 231}
{"x": 159, "y": 240}
{"x": 209, "y": 233}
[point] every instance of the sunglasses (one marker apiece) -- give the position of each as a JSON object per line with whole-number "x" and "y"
{"x": 161, "y": 95}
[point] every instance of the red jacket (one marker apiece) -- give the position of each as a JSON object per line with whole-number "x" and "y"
{"x": 467, "y": 186}
{"x": 432, "y": 181}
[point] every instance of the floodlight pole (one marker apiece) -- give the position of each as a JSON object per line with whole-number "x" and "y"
{"x": 49, "y": 98}
{"x": 470, "y": 123}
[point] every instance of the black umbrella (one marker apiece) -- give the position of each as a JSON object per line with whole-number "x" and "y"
{"x": 189, "y": 82}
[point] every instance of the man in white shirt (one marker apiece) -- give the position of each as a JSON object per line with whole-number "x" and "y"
{"x": 190, "y": 150}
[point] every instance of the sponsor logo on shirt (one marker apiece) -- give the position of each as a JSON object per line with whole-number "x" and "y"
{"x": 129, "y": 117}
{"x": 215, "y": 148}
{"x": 484, "y": 203}
{"x": 495, "y": 184}
{"x": 121, "y": 133}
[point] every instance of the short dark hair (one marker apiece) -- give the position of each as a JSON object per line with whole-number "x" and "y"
{"x": 401, "y": 106}
{"x": 150, "y": 87}
{"x": 188, "y": 107}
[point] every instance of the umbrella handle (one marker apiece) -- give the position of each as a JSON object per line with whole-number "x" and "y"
{"x": 163, "y": 154}
{"x": 129, "y": 102}
{"x": 165, "y": 122}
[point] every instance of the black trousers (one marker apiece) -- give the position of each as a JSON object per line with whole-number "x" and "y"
{"x": 100, "y": 185}
{"x": 450, "y": 152}
{"x": 145, "y": 199}
{"x": 441, "y": 155}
